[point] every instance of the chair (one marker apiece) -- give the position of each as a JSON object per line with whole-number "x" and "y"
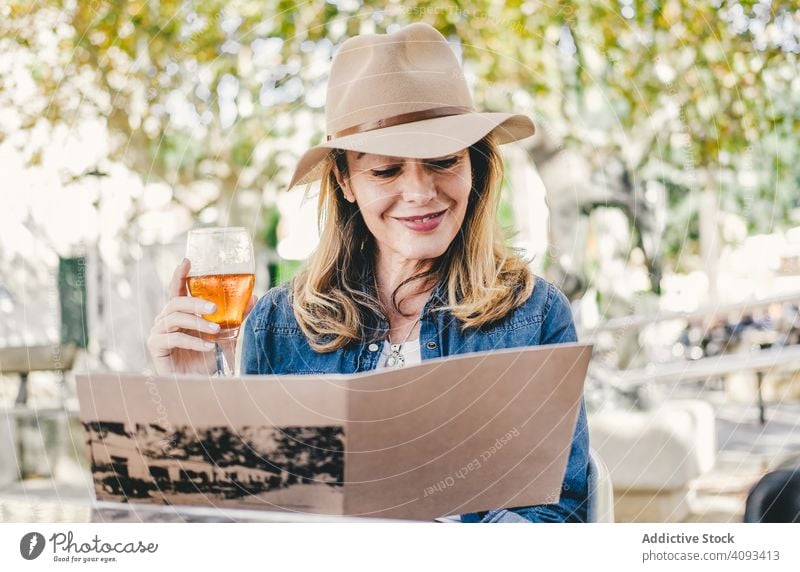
{"x": 601, "y": 492}
{"x": 775, "y": 498}
{"x": 28, "y": 434}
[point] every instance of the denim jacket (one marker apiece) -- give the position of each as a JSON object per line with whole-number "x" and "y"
{"x": 274, "y": 344}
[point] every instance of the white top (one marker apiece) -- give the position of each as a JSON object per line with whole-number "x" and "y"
{"x": 410, "y": 350}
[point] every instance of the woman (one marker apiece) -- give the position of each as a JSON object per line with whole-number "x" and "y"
{"x": 411, "y": 263}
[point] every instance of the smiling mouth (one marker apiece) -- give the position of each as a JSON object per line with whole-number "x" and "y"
{"x": 423, "y": 218}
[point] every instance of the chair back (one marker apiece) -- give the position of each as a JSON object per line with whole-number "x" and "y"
{"x": 775, "y": 498}
{"x": 601, "y": 491}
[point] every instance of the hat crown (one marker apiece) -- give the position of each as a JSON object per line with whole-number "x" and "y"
{"x": 376, "y": 76}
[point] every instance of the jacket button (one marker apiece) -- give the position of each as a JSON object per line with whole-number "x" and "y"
{"x": 373, "y": 347}
{"x": 431, "y": 345}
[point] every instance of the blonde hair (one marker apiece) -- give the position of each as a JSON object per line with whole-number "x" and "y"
{"x": 485, "y": 278}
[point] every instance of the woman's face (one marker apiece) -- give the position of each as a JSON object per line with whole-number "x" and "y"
{"x": 413, "y": 207}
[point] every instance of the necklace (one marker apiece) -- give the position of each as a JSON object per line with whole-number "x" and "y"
{"x": 396, "y": 357}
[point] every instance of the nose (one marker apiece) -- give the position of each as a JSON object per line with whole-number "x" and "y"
{"x": 418, "y": 184}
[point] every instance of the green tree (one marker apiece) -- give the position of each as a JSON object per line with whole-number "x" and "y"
{"x": 680, "y": 94}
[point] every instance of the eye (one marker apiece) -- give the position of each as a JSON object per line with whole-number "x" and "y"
{"x": 386, "y": 173}
{"x": 444, "y": 163}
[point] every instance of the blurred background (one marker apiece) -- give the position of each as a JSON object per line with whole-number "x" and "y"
{"x": 660, "y": 193}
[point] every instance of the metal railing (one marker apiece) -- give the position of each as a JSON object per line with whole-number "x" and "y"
{"x": 707, "y": 313}
{"x": 760, "y": 361}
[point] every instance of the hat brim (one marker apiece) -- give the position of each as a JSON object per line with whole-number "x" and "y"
{"x": 419, "y": 140}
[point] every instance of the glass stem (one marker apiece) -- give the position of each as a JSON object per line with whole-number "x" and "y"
{"x": 220, "y": 360}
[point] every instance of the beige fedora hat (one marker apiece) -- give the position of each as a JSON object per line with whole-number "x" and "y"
{"x": 402, "y": 95}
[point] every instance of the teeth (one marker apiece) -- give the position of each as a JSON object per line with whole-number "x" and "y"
{"x": 425, "y": 218}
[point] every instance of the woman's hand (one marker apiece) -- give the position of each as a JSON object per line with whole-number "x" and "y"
{"x": 174, "y": 342}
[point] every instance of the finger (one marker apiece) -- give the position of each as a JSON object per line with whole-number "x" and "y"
{"x": 251, "y": 304}
{"x": 187, "y": 304}
{"x": 177, "y": 285}
{"x": 176, "y": 321}
{"x": 163, "y": 344}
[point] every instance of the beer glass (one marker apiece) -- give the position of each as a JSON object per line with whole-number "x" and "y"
{"x": 222, "y": 272}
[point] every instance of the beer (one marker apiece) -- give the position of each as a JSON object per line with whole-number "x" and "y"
{"x": 230, "y": 292}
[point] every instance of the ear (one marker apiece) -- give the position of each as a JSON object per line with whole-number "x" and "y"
{"x": 344, "y": 184}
